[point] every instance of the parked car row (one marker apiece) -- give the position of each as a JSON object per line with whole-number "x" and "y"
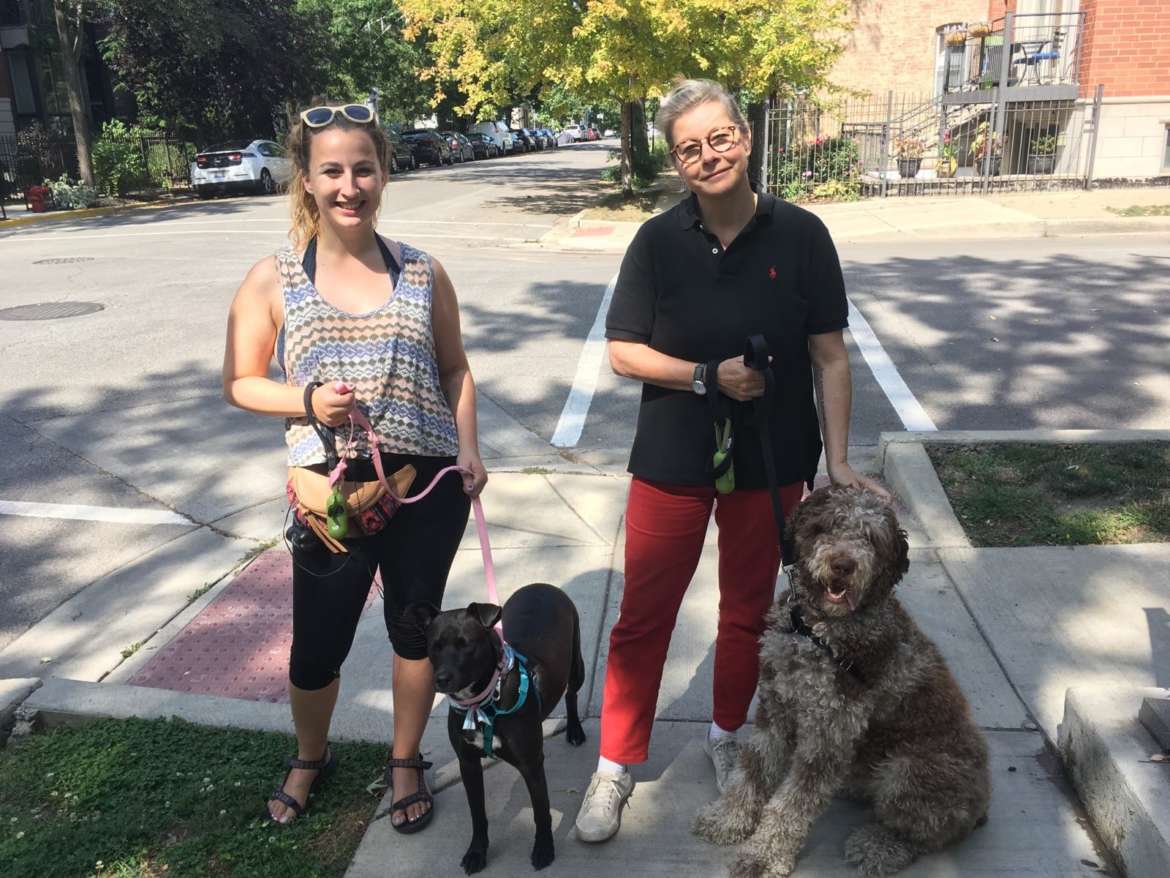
{"x": 264, "y": 166}
{"x": 580, "y": 133}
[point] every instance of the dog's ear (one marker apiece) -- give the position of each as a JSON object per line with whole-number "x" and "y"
{"x": 420, "y": 614}
{"x": 487, "y": 614}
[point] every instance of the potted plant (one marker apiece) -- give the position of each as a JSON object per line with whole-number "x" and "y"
{"x": 986, "y": 145}
{"x": 1042, "y": 154}
{"x": 979, "y": 29}
{"x": 948, "y": 157}
{"x": 956, "y": 37}
{"x": 909, "y": 150}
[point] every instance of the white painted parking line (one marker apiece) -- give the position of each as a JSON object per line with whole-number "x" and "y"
{"x": 913, "y": 415}
{"x": 572, "y": 420}
{"x": 76, "y": 512}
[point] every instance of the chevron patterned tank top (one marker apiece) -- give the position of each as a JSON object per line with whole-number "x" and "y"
{"x": 387, "y": 355}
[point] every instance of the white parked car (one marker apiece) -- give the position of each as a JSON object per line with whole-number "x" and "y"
{"x": 256, "y": 165}
{"x": 571, "y": 134}
{"x": 499, "y": 132}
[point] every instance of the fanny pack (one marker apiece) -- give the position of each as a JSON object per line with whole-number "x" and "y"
{"x": 344, "y": 508}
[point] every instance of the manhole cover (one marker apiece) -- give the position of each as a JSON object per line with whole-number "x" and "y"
{"x": 63, "y": 260}
{"x": 50, "y": 310}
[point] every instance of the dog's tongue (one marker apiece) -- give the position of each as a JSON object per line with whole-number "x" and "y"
{"x": 852, "y": 601}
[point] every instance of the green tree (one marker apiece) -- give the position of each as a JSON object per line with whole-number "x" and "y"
{"x": 216, "y": 68}
{"x": 367, "y": 50}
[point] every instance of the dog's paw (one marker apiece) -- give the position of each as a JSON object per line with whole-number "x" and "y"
{"x": 474, "y": 861}
{"x": 716, "y": 824}
{"x": 575, "y": 734}
{"x": 543, "y": 853}
{"x": 754, "y": 862}
{"x": 876, "y": 851}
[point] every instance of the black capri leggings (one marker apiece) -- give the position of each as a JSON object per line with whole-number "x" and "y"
{"x": 413, "y": 554}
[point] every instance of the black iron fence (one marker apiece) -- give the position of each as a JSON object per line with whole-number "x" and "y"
{"x": 853, "y": 148}
{"x": 166, "y": 163}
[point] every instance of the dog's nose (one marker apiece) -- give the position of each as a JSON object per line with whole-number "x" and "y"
{"x": 442, "y": 680}
{"x": 843, "y": 566}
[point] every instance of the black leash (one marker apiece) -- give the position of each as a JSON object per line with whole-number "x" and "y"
{"x": 755, "y": 356}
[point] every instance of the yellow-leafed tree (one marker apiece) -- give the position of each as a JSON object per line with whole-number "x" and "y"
{"x": 624, "y": 50}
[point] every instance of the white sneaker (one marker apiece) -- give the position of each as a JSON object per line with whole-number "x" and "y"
{"x": 601, "y": 810}
{"x": 724, "y": 753}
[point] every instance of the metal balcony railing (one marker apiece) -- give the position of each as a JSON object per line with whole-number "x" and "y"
{"x": 1030, "y": 50}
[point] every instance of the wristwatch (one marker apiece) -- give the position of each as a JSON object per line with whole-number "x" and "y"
{"x": 699, "y": 381}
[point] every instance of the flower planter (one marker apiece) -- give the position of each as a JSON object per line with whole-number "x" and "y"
{"x": 993, "y": 166}
{"x": 1041, "y": 164}
{"x": 908, "y": 168}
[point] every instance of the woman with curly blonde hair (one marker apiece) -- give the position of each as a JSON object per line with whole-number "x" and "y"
{"x": 358, "y": 323}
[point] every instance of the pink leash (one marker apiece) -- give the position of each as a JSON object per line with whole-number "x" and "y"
{"x": 485, "y": 548}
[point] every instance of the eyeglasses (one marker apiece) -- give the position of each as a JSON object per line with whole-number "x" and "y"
{"x": 720, "y": 140}
{"x": 319, "y": 117}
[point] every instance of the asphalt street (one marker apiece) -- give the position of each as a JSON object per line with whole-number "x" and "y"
{"x": 121, "y": 407}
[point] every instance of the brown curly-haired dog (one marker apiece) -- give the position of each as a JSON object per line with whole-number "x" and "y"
{"x": 853, "y": 699}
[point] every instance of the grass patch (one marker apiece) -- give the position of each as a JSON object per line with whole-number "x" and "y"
{"x": 1058, "y": 495}
{"x": 148, "y": 798}
{"x": 1141, "y": 210}
{"x": 637, "y": 206}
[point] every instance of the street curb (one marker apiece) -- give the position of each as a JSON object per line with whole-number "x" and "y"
{"x": 1043, "y": 436}
{"x": 905, "y": 465}
{"x": 1106, "y": 754}
{"x": 87, "y": 213}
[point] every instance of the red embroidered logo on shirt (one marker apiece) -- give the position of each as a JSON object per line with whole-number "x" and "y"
{"x": 772, "y": 272}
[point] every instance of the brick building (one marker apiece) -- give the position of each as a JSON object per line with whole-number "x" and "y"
{"x": 1038, "y": 53}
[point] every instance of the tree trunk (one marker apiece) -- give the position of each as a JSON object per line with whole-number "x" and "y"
{"x": 640, "y": 147}
{"x": 70, "y": 63}
{"x": 627, "y": 159}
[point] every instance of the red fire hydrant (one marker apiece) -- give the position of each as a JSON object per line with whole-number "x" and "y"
{"x": 37, "y": 198}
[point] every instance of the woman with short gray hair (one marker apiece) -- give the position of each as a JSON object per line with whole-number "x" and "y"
{"x": 725, "y": 264}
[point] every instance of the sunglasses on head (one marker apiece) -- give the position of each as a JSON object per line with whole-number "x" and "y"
{"x": 319, "y": 117}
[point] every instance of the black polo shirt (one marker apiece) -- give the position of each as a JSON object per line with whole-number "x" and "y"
{"x": 682, "y": 294}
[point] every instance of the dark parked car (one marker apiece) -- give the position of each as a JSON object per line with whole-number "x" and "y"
{"x": 401, "y": 155}
{"x": 484, "y": 145}
{"x": 550, "y": 139}
{"x": 524, "y": 137}
{"x": 460, "y": 146}
{"x": 428, "y": 147}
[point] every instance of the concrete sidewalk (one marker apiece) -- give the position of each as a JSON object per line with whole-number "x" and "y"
{"x": 1009, "y": 215}
{"x": 1017, "y": 626}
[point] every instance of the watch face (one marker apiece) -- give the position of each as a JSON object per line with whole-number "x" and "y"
{"x": 699, "y": 387}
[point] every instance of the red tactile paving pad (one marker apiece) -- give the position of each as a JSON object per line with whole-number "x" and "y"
{"x": 238, "y": 646}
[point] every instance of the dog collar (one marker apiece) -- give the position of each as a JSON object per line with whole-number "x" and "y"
{"x": 484, "y": 709}
{"x": 801, "y": 627}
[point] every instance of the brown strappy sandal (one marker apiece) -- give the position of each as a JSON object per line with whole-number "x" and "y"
{"x": 422, "y": 794}
{"x": 325, "y": 766}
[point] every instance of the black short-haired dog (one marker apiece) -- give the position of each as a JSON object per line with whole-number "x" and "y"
{"x": 516, "y": 689}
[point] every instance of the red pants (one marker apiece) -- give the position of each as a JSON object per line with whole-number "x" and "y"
{"x": 665, "y": 526}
